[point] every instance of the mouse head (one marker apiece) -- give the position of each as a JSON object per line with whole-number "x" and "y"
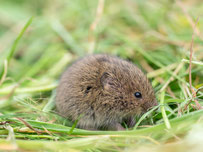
{"x": 127, "y": 90}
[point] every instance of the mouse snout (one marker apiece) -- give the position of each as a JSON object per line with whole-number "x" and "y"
{"x": 154, "y": 103}
{"x": 148, "y": 105}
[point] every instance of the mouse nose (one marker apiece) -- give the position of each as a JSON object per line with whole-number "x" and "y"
{"x": 155, "y": 103}
{"x": 148, "y": 105}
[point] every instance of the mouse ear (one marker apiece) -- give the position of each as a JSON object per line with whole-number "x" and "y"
{"x": 106, "y": 81}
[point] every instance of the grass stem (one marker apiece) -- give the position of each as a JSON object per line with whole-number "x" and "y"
{"x": 163, "y": 112}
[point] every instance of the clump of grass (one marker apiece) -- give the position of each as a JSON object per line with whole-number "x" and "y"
{"x": 155, "y": 35}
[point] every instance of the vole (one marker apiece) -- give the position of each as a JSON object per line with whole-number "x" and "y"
{"x": 102, "y": 91}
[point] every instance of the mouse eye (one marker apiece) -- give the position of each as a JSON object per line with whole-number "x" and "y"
{"x": 88, "y": 89}
{"x": 138, "y": 95}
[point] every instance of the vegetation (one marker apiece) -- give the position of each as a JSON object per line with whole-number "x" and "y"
{"x": 39, "y": 39}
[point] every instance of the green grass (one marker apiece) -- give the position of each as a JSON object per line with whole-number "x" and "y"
{"x": 39, "y": 39}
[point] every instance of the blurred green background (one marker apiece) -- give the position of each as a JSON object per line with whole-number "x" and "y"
{"x": 156, "y": 35}
{"x": 161, "y": 28}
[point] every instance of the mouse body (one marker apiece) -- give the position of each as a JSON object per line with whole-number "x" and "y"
{"x": 102, "y": 91}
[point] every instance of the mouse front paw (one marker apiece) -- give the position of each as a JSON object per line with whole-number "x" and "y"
{"x": 116, "y": 126}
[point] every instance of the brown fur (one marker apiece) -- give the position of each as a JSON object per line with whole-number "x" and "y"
{"x": 100, "y": 89}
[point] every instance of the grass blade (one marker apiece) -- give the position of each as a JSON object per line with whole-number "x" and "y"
{"x": 14, "y": 46}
